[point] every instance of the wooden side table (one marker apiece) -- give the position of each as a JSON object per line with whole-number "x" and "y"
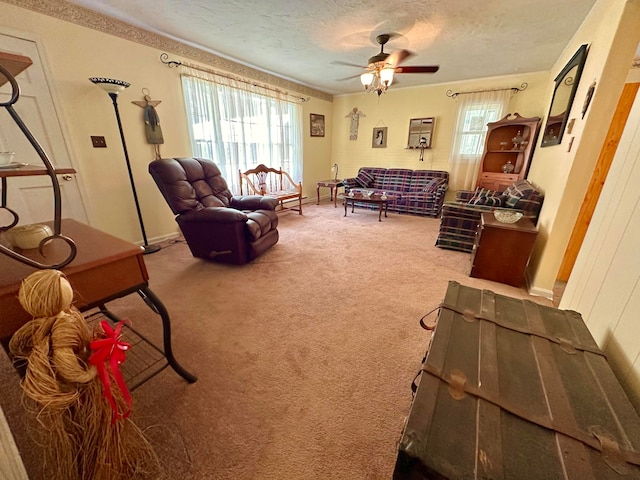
{"x": 501, "y": 251}
{"x": 105, "y": 268}
{"x": 333, "y": 185}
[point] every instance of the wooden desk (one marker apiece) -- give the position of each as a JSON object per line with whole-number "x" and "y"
{"x": 105, "y": 268}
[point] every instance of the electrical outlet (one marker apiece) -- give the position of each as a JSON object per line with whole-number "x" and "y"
{"x": 98, "y": 142}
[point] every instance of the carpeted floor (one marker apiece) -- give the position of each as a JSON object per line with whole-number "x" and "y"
{"x": 304, "y": 357}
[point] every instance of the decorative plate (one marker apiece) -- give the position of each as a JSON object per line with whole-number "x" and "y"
{"x": 507, "y": 217}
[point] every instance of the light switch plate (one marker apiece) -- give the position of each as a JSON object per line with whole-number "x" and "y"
{"x": 98, "y": 142}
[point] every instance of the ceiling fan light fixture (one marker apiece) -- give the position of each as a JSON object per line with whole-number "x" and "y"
{"x": 386, "y": 76}
{"x": 382, "y": 67}
{"x": 366, "y": 79}
{"x": 374, "y": 82}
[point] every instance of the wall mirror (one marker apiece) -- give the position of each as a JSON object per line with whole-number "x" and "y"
{"x": 563, "y": 95}
{"x": 420, "y": 130}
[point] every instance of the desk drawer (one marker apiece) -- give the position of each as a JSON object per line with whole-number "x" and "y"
{"x": 109, "y": 281}
{"x": 92, "y": 286}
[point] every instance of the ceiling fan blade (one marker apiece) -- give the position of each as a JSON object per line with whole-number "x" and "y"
{"x": 418, "y": 69}
{"x": 396, "y": 58}
{"x": 348, "y": 78}
{"x": 338, "y": 62}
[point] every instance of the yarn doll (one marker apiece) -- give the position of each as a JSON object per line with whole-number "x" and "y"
{"x": 77, "y": 393}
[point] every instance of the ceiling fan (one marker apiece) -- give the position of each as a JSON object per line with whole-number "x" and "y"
{"x": 381, "y": 67}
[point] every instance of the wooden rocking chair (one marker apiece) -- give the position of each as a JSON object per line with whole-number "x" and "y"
{"x": 263, "y": 180}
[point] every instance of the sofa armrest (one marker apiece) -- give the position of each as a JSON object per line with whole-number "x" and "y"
{"x": 213, "y": 215}
{"x": 349, "y": 183}
{"x": 254, "y": 202}
{"x": 464, "y": 195}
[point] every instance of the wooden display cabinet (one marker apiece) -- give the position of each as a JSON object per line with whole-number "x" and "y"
{"x": 500, "y": 149}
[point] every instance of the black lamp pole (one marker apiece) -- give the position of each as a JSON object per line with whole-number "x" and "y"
{"x": 113, "y": 87}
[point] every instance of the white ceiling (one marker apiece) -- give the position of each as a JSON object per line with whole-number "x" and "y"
{"x": 300, "y": 39}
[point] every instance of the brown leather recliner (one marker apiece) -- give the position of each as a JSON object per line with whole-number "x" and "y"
{"x": 216, "y": 225}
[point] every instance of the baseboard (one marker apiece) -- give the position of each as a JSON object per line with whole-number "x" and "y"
{"x": 289, "y": 200}
{"x": 163, "y": 238}
{"x": 538, "y": 292}
{"x": 541, "y": 292}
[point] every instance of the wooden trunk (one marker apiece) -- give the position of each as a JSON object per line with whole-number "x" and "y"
{"x": 510, "y": 389}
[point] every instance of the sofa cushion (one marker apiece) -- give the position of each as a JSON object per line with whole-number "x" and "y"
{"x": 512, "y": 200}
{"x": 523, "y": 196}
{"x": 484, "y": 196}
{"x": 432, "y": 185}
{"x": 421, "y": 179}
{"x": 482, "y": 192}
{"x": 260, "y": 223}
{"x": 394, "y": 179}
{"x": 490, "y": 200}
{"x": 364, "y": 179}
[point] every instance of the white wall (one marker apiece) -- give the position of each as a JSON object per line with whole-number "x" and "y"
{"x": 605, "y": 283}
{"x": 397, "y": 106}
{"x": 612, "y": 31}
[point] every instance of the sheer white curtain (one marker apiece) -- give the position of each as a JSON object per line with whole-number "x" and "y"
{"x": 239, "y": 126}
{"x": 475, "y": 110}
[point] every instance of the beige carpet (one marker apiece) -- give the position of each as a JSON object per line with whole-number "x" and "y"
{"x": 304, "y": 357}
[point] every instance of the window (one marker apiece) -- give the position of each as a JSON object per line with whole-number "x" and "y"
{"x": 474, "y": 127}
{"x": 475, "y": 110}
{"x": 239, "y": 129}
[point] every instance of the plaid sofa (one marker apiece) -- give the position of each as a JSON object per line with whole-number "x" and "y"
{"x": 460, "y": 218}
{"x": 418, "y": 192}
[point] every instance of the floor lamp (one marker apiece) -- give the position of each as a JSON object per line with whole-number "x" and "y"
{"x": 113, "y": 88}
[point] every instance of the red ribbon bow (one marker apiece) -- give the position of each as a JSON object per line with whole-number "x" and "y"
{"x": 110, "y": 351}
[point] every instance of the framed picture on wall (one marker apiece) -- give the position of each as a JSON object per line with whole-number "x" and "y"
{"x": 317, "y": 125}
{"x": 379, "y": 137}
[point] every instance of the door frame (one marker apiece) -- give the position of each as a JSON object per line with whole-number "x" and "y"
{"x": 59, "y": 118}
{"x": 608, "y": 151}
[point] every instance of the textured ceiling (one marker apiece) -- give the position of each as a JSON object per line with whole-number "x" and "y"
{"x": 300, "y": 39}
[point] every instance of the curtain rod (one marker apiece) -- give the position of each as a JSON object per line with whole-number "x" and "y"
{"x": 164, "y": 58}
{"x": 522, "y": 87}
